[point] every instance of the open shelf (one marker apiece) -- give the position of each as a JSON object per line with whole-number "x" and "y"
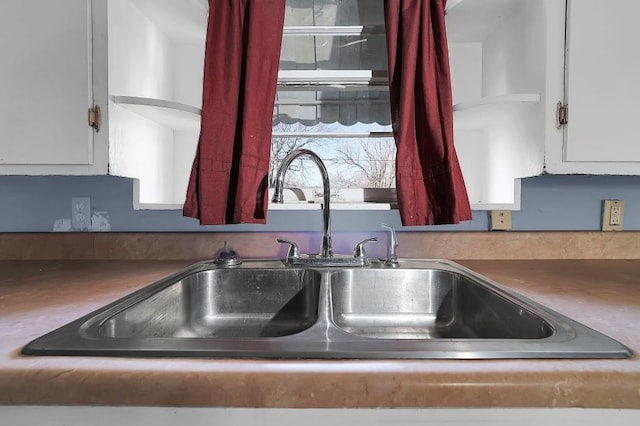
{"x": 175, "y": 115}
{"x": 486, "y": 111}
{"x": 468, "y": 115}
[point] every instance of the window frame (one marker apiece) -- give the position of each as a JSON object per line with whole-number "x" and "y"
{"x": 316, "y": 80}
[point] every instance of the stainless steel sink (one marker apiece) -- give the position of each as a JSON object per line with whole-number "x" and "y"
{"x": 428, "y": 304}
{"x": 224, "y": 303}
{"x": 266, "y": 309}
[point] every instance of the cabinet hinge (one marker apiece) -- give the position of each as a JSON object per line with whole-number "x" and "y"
{"x": 562, "y": 114}
{"x": 94, "y": 118}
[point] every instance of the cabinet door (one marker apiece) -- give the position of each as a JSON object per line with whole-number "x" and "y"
{"x": 603, "y": 87}
{"x": 45, "y": 83}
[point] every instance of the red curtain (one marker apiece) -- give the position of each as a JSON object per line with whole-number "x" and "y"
{"x": 228, "y": 182}
{"x": 429, "y": 182}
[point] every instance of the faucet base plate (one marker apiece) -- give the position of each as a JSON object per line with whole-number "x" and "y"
{"x": 333, "y": 261}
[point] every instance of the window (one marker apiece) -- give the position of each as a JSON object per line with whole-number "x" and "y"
{"x": 333, "y": 98}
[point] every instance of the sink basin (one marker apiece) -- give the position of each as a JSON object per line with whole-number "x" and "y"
{"x": 266, "y": 309}
{"x": 427, "y": 304}
{"x": 224, "y": 303}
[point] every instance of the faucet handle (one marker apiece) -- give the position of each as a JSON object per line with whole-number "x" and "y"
{"x": 359, "y": 251}
{"x": 392, "y": 243}
{"x": 294, "y": 251}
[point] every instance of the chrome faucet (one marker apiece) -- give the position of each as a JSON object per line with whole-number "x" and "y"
{"x": 326, "y": 256}
{"x": 325, "y": 247}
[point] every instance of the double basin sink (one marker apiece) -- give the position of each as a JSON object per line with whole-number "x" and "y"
{"x": 267, "y": 309}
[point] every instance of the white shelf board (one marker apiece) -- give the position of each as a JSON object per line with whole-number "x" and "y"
{"x": 332, "y": 30}
{"x": 332, "y": 77}
{"x": 469, "y": 115}
{"x": 474, "y": 20}
{"x": 485, "y": 111}
{"x": 174, "y": 115}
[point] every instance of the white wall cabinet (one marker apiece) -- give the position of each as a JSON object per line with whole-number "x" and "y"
{"x": 602, "y": 90}
{"x": 46, "y": 89}
{"x": 140, "y": 61}
{"x": 528, "y": 64}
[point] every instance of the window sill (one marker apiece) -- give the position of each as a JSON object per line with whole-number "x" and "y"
{"x": 334, "y": 206}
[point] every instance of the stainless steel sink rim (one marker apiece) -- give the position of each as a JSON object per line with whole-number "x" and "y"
{"x": 324, "y": 339}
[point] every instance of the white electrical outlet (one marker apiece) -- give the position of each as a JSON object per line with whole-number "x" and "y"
{"x": 80, "y": 213}
{"x": 612, "y": 215}
{"x": 616, "y": 215}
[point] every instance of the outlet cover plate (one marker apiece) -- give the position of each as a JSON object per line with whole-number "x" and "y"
{"x": 612, "y": 215}
{"x": 81, "y": 213}
{"x": 500, "y": 220}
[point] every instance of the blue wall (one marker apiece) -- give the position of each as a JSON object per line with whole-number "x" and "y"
{"x": 35, "y": 203}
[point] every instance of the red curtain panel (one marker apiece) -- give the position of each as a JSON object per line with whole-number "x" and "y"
{"x": 228, "y": 182}
{"x": 429, "y": 181}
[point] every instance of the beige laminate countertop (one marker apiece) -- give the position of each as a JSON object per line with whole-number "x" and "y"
{"x": 39, "y": 296}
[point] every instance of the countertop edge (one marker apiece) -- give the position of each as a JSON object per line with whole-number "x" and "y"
{"x": 389, "y": 388}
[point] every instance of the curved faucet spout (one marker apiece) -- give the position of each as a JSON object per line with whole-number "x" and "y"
{"x": 325, "y": 247}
